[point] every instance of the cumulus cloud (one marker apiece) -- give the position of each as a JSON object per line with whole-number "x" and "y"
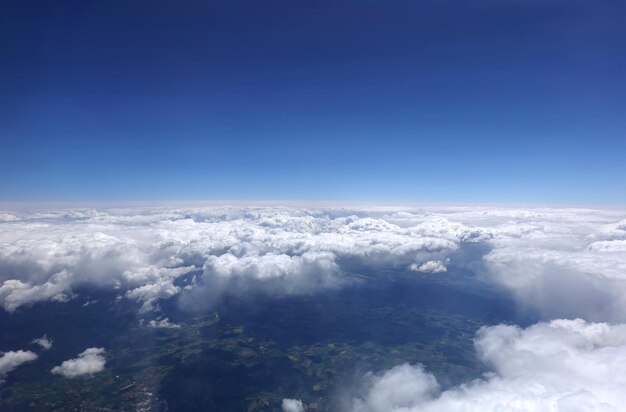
{"x": 272, "y": 273}
{"x": 432, "y": 266}
{"x": 44, "y": 342}
{"x": 399, "y": 388}
{"x": 562, "y": 365}
{"x": 292, "y": 405}
{"x": 14, "y": 293}
{"x": 558, "y": 262}
{"x": 88, "y": 362}
{"x": 149, "y": 294}
{"x": 11, "y": 360}
{"x": 563, "y": 270}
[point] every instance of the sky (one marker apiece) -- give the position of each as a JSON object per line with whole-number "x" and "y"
{"x": 483, "y": 101}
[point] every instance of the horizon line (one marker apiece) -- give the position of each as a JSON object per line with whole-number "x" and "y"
{"x": 61, "y": 204}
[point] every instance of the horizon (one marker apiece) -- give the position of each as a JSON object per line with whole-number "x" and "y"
{"x": 321, "y": 204}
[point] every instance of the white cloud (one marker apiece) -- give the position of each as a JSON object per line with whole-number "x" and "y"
{"x": 399, "y": 388}
{"x": 563, "y": 365}
{"x": 88, "y": 362}
{"x": 163, "y": 324}
{"x": 14, "y": 293}
{"x": 292, "y": 405}
{"x": 432, "y": 266}
{"x": 150, "y": 293}
{"x": 44, "y": 342}
{"x": 11, "y": 360}
{"x": 608, "y": 246}
{"x": 274, "y": 273}
{"x": 562, "y": 274}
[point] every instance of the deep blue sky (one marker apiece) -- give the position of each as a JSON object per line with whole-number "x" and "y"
{"x": 518, "y": 101}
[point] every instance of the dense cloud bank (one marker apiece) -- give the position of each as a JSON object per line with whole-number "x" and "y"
{"x": 563, "y": 365}
{"x": 561, "y": 262}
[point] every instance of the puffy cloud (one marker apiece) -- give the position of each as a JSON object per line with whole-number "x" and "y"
{"x": 11, "y": 360}
{"x": 563, "y": 271}
{"x": 149, "y": 294}
{"x": 556, "y": 262}
{"x": 432, "y": 266}
{"x": 162, "y": 324}
{"x": 14, "y": 292}
{"x": 44, "y": 342}
{"x": 88, "y": 362}
{"x": 274, "y": 273}
{"x": 292, "y": 405}
{"x": 401, "y": 387}
{"x": 563, "y": 365}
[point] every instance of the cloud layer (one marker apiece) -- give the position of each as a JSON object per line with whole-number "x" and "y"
{"x": 563, "y": 365}
{"x": 559, "y": 262}
{"x": 88, "y": 362}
